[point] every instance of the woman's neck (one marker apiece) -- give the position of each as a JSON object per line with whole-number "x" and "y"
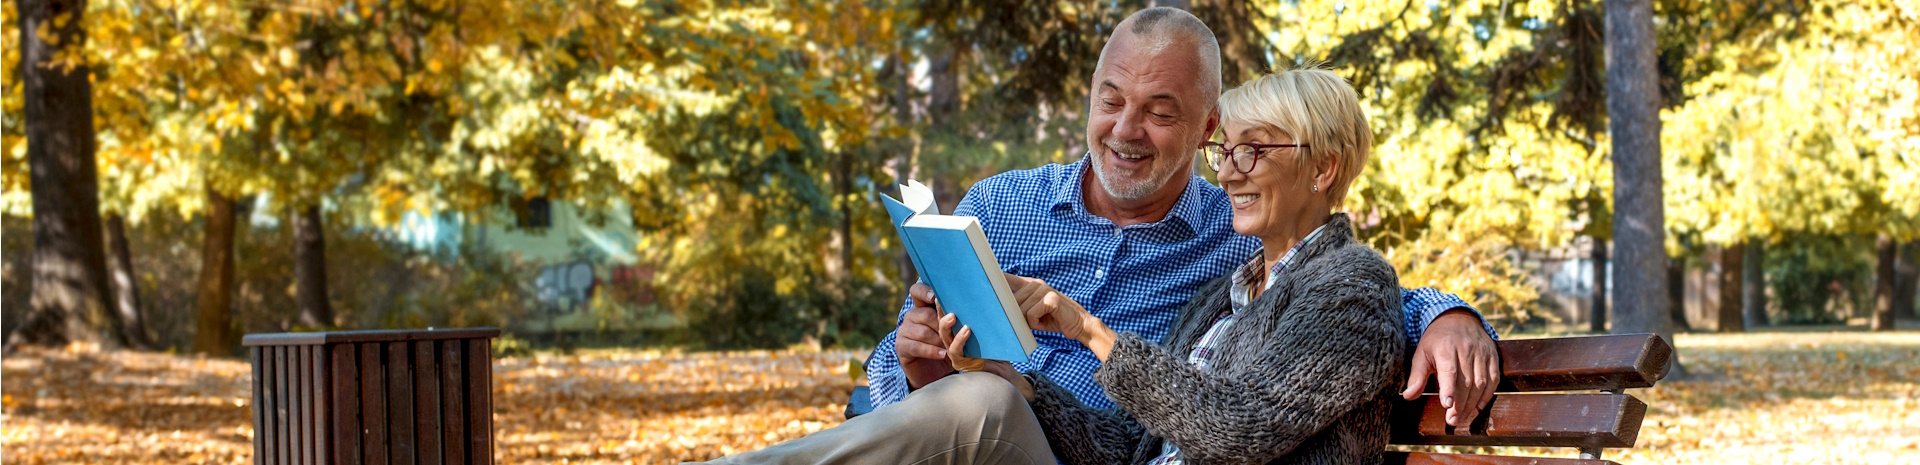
{"x": 1276, "y": 246}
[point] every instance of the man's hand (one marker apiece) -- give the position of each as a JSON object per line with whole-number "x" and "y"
{"x": 923, "y": 357}
{"x": 1456, "y": 349}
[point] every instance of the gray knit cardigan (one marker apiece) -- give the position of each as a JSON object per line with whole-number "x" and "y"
{"x": 1304, "y": 375}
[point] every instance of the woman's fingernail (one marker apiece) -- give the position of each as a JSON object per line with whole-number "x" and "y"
{"x": 943, "y": 354}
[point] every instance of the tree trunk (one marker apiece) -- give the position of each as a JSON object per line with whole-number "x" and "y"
{"x": 69, "y": 300}
{"x": 1907, "y": 272}
{"x": 1243, "y": 48}
{"x": 215, "y": 316}
{"x": 1883, "y": 277}
{"x": 903, "y": 161}
{"x": 1598, "y": 323}
{"x": 310, "y": 268}
{"x": 1755, "y": 287}
{"x": 1677, "y": 293}
{"x": 126, "y": 289}
{"x": 1639, "y": 212}
{"x": 1731, "y": 267}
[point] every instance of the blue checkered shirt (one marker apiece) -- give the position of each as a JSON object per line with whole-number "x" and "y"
{"x": 1134, "y": 278}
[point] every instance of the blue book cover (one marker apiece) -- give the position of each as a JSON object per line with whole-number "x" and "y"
{"x": 952, "y": 255}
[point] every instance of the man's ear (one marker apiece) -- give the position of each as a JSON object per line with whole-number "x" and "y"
{"x": 1213, "y": 124}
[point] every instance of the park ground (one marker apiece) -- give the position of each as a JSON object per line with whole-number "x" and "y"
{"x": 1771, "y": 397}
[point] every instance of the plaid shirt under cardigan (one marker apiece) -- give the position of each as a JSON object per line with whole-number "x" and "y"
{"x": 1134, "y": 278}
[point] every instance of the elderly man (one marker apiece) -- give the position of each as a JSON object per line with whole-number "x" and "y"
{"x": 1130, "y": 233}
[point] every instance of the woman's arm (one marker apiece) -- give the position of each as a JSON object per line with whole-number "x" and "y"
{"x": 1081, "y": 434}
{"x": 1331, "y": 352}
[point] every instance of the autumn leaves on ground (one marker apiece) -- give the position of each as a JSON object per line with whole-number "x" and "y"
{"x": 1844, "y": 397}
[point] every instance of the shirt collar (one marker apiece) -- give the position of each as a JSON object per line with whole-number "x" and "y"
{"x": 1244, "y": 274}
{"x": 1189, "y": 212}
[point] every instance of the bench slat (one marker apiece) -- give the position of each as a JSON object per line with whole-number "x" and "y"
{"x": 426, "y": 415}
{"x": 283, "y": 454}
{"x": 453, "y": 368}
{"x": 346, "y": 401}
{"x": 1540, "y": 420}
{"x": 1425, "y": 458}
{"x": 1611, "y": 362}
{"x": 373, "y": 404}
{"x": 400, "y": 403}
{"x": 480, "y": 400}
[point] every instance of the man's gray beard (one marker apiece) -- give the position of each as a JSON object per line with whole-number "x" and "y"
{"x": 1126, "y": 189}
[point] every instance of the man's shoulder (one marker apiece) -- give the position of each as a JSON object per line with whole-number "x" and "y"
{"x": 1043, "y": 177}
{"x": 1033, "y": 186}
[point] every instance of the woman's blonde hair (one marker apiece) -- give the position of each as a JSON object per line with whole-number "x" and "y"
{"x": 1317, "y": 108}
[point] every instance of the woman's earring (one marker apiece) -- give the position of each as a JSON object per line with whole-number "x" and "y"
{"x": 1316, "y": 188}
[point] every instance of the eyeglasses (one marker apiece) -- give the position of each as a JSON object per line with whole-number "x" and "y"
{"x": 1245, "y": 156}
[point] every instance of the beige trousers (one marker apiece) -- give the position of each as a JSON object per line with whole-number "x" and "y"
{"x": 972, "y": 418}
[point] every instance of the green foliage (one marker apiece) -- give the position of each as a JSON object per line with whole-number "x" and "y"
{"x": 1820, "y": 278}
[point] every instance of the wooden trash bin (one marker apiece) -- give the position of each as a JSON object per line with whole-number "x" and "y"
{"x": 373, "y": 397}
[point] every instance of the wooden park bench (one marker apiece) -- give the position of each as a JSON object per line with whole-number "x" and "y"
{"x": 373, "y": 397}
{"x": 1589, "y": 421}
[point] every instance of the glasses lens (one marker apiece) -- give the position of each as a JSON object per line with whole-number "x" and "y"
{"x": 1214, "y": 156}
{"x": 1244, "y": 158}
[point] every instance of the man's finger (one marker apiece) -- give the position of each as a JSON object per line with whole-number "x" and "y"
{"x": 1491, "y": 381}
{"x": 1448, "y": 376}
{"x": 921, "y": 316}
{"x": 917, "y": 349}
{"x": 1417, "y": 379}
{"x": 919, "y": 333}
{"x": 1465, "y": 392}
{"x": 922, "y": 293}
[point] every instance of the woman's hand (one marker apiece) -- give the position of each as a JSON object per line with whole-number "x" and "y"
{"x": 957, "y": 348}
{"x": 1048, "y": 310}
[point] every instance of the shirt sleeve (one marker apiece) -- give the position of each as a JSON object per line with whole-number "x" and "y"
{"x": 886, "y": 384}
{"x": 1425, "y": 304}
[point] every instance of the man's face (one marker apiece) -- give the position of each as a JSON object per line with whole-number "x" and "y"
{"x": 1148, "y": 116}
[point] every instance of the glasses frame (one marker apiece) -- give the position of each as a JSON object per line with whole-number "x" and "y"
{"x": 1210, "y": 148}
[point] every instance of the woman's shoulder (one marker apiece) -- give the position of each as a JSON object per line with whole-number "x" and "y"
{"x": 1351, "y": 260}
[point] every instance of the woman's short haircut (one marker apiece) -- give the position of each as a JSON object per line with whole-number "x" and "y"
{"x": 1315, "y": 107}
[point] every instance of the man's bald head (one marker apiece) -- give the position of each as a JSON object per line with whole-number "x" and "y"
{"x": 1157, "y": 28}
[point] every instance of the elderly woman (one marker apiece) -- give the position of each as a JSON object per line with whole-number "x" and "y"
{"x": 1290, "y": 359}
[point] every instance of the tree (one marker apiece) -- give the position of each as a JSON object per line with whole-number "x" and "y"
{"x": 1729, "y": 315}
{"x": 70, "y": 294}
{"x": 310, "y": 268}
{"x": 126, "y": 289}
{"x": 1633, "y": 109}
{"x": 1883, "y": 283}
{"x": 216, "y": 333}
{"x": 1754, "y": 283}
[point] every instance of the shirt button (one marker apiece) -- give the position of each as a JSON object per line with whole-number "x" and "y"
{"x": 1116, "y": 232}
{"x": 1099, "y": 274}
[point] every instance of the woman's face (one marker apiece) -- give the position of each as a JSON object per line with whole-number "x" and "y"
{"x": 1276, "y": 195}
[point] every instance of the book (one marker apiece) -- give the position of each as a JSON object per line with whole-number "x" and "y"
{"x": 952, "y": 255}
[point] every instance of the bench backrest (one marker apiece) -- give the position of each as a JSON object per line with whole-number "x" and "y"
{"x": 1589, "y": 421}
{"x": 373, "y": 397}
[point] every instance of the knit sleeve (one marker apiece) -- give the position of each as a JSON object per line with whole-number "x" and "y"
{"x": 1080, "y": 434}
{"x": 1329, "y": 352}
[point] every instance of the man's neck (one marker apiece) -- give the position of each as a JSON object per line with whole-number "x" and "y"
{"x": 1125, "y": 212}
